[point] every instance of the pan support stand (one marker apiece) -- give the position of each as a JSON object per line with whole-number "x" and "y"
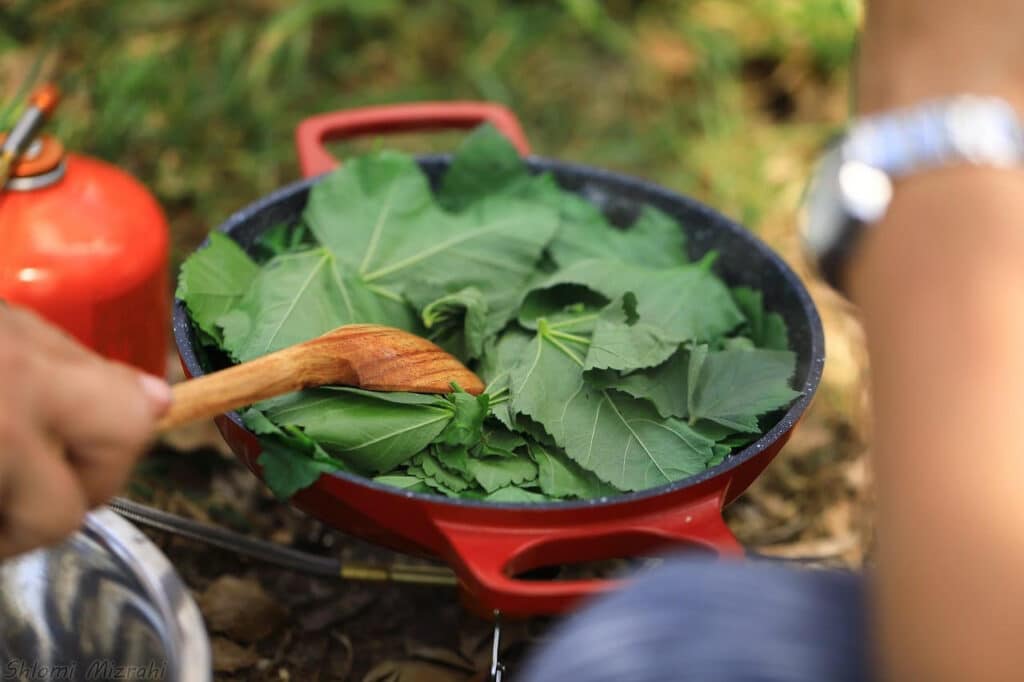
{"x": 497, "y": 667}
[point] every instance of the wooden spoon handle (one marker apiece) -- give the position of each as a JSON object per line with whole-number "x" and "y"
{"x": 228, "y": 389}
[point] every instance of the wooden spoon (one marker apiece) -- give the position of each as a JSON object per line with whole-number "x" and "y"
{"x": 363, "y": 355}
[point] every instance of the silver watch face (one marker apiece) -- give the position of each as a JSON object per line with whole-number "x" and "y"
{"x": 842, "y": 197}
{"x": 865, "y": 191}
{"x": 822, "y": 217}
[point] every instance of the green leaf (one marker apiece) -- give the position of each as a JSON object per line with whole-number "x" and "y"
{"x": 390, "y": 234}
{"x": 433, "y": 484}
{"x": 392, "y": 231}
{"x": 721, "y": 452}
{"x": 684, "y": 303}
{"x": 501, "y": 356}
{"x": 453, "y": 458}
{"x": 665, "y": 385}
{"x": 626, "y": 443}
{"x": 569, "y": 308}
{"x": 496, "y": 366}
{"x": 733, "y": 387}
{"x": 274, "y": 241}
{"x": 716, "y": 432}
{"x": 698, "y": 354}
{"x": 624, "y": 341}
{"x": 497, "y": 441}
{"x": 258, "y": 423}
{"x": 739, "y": 440}
{"x": 286, "y": 473}
{"x": 410, "y": 483}
{"x": 370, "y": 434}
{"x": 738, "y": 343}
{"x": 283, "y": 238}
{"x": 462, "y": 320}
{"x": 485, "y": 163}
{"x": 561, "y": 477}
{"x": 622, "y": 440}
{"x": 213, "y": 280}
{"x": 513, "y": 494}
{"x": 654, "y": 240}
{"x": 397, "y": 397}
{"x": 493, "y": 473}
{"x": 446, "y": 477}
{"x": 547, "y": 376}
{"x": 767, "y": 330}
{"x": 299, "y": 296}
{"x": 353, "y": 210}
{"x": 467, "y": 421}
{"x": 534, "y": 430}
{"x": 291, "y": 461}
{"x": 459, "y": 321}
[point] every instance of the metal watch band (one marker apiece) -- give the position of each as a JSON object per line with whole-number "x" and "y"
{"x": 967, "y": 128}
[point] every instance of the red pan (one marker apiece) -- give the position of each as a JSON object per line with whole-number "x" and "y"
{"x": 490, "y": 545}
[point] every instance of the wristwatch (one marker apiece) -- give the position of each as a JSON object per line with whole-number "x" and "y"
{"x": 853, "y": 184}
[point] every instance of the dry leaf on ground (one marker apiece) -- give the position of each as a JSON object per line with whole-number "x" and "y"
{"x": 241, "y": 609}
{"x": 413, "y": 671}
{"x": 229, "y": 657}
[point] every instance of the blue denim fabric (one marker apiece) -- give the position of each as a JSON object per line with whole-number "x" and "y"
{"x": 701, "y": 621}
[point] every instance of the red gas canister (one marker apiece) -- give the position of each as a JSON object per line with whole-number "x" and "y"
{"x": 85, "y": 245}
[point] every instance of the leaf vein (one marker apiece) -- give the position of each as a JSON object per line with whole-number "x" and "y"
{"x": 291, "y": 308}
{"x": 378, "y": 227}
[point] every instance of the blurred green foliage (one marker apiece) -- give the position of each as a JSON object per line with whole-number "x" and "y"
{"x": 722, "y": 99}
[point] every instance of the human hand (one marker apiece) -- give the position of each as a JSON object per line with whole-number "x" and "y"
{"x": 914, "y": 50}
{"x": 71, "y": 427}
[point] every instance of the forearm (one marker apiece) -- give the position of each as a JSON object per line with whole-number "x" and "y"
{"x": 940, "y": 283}
{"x": 917, "y": 49}
{"x": 941, "y": 286}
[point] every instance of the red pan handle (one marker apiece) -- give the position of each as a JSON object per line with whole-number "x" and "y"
{"x": 312, "y": 133}
{"x": 486, "y": 559}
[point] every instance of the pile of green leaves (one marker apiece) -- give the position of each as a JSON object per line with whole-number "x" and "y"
{"x": 612, "y": 362}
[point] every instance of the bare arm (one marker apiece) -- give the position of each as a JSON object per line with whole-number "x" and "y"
{"x": 941, "y": 286}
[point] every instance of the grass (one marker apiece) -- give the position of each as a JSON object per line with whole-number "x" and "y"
{"x": 722, "y": 99}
